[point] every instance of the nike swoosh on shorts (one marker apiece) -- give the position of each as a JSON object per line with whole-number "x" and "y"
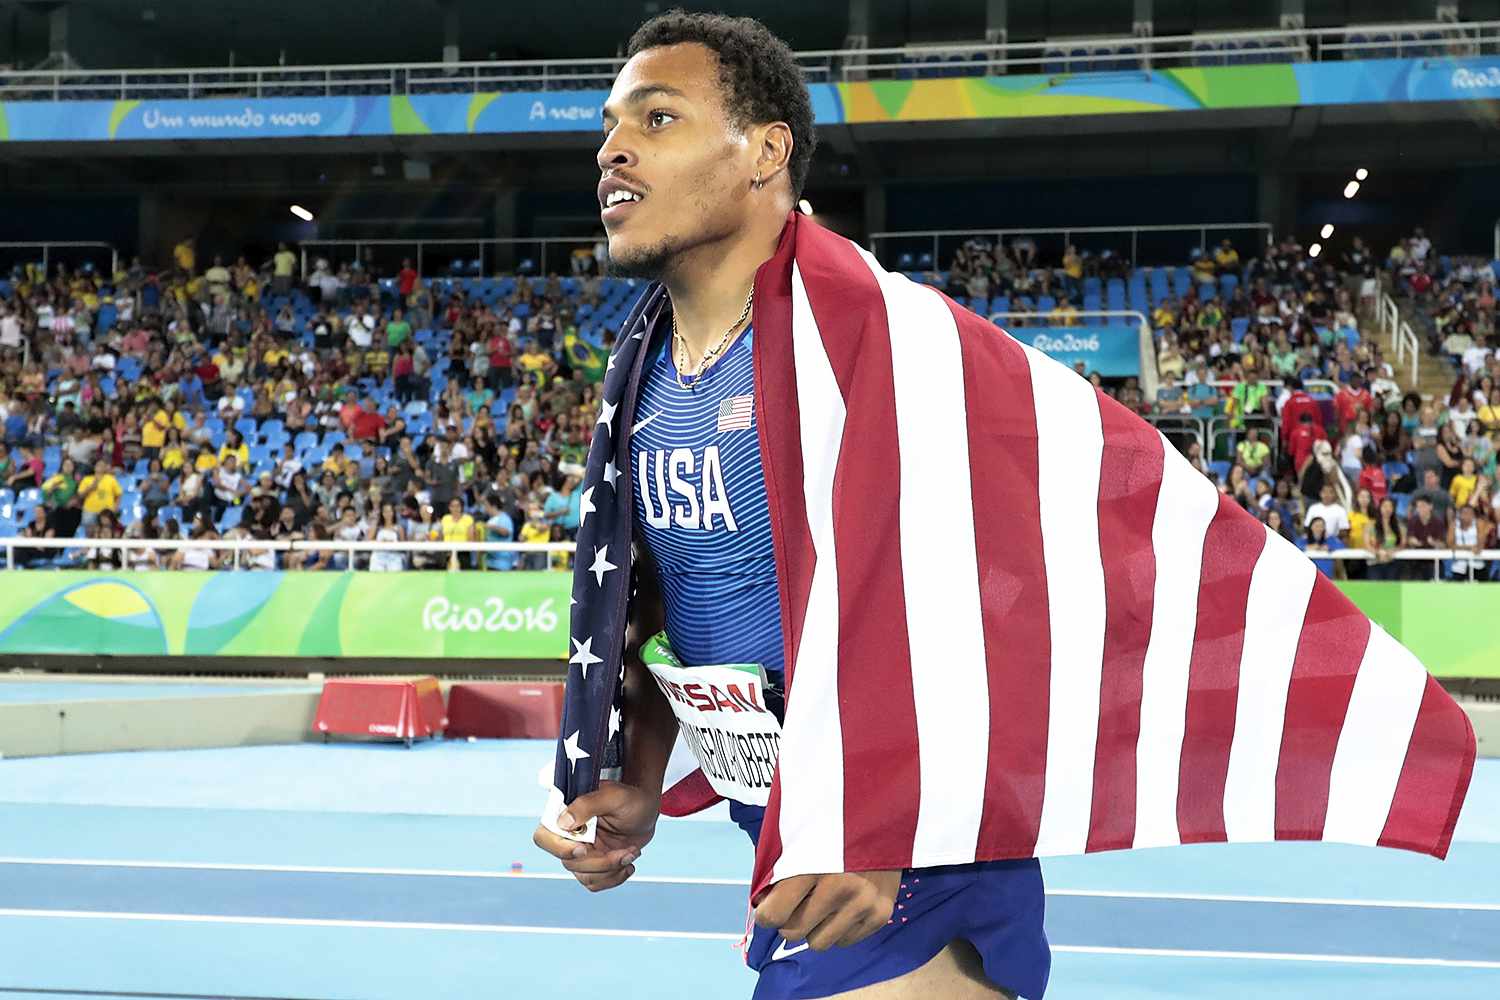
{"x": 782, "y": 951}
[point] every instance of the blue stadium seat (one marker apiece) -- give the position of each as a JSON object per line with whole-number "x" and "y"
{"x": 231, "y": 518}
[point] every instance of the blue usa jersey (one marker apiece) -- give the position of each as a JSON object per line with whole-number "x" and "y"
{"x": 701, "y": 510}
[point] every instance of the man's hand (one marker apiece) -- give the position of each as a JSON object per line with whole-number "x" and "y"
{"x": 627, "y": 822}
{"x": 830, "y": 911}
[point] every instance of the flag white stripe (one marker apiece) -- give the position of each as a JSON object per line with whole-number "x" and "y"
{"x": 1187, "y": 506}
{"x": 950, "y": 682}
{"x": 811, "y": 772}
{"x": 1372, "y": 745}
{"x": 1070, "y": 449}
{"x": 1280, "y": 586}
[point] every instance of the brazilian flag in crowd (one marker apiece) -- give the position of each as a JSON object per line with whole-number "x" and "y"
{"x": 583, "y": 356}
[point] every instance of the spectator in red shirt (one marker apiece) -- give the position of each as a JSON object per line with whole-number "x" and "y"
{"x": 1300, "y": 441}
{"x": 368, "y": 423}
{"x": 1298, "y": 403}
{"x": 406, "y": 279}
{"x": 348, "y": 413}
{"x": 1352, "y": 400}
{"x": 1372, "y": 474}
{"x": 500, "y": 362}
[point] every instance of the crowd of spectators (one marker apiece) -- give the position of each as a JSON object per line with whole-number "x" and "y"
{"x": 1338, "y": 455}
{"x": 239, "y": 402}
{"x": 1274, "y": 388}
{"x": 246, "y": 402}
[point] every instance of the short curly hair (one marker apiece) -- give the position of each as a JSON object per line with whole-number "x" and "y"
{"x": 757, "y": 71}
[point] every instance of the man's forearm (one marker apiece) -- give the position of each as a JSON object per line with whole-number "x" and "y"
{"x": 650, "y": 729}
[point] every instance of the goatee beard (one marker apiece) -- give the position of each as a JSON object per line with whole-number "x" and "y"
{"x": 651, "y": 262}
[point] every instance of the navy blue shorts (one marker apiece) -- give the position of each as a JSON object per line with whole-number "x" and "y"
{"x": 997, "y": 906}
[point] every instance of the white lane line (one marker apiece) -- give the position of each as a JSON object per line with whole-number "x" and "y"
{"x": 335, "y": 870}
{"x": 1209, "y": 897}
{"x": 405, "y": 925}
{"x": 1261, "y": 956}
{"x": 1276, "y": 956}
{"x": 1196, "y": 897}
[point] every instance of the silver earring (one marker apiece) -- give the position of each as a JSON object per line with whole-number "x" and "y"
{"x": 757, "y": 180}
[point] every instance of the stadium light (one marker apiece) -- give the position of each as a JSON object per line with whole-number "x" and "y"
{"x": 1361, "y": 174}
{"x": 1351, "y": 189}
{"x": 302, "y": 213}
{"x": 1315, "y": 249}
{"x": 804, "y": 206}
{"x": 1327, "y": 230}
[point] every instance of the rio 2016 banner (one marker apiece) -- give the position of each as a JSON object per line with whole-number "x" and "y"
{"x": 1112, "y": 351}
{"x": 428, "y": 615}
{"x": 1196, "y": 88}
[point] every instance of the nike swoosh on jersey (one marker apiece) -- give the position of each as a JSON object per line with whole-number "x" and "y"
{"x": 636, "y": 427}
{"x": 782, "y": 951}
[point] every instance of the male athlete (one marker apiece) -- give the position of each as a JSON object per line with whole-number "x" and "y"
{"x": 708, "y": 133}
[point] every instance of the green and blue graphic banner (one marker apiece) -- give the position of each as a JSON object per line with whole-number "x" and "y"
{"x": 514, "y": 615}
{"x": 426, "y": 615}
{"x": 1201, "y": 88}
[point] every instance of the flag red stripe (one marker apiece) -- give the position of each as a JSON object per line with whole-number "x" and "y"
{"x": 876, "y": 703}
{"x": 1433, "y": 779}
{"x": 1129, "y": 483}
{"x": 691, "y": 794}
{"x": 1013, "y": 586}
{"x": 1230, "y": 549}
{"x": 1334, "y": 636}
{"x": 779, "y": 431}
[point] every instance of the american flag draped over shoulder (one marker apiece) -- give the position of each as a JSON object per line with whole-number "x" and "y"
{"x": 1017, "y": 622}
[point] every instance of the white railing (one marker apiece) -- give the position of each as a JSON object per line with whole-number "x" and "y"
{"x": 417, "y": 250}
{"x": 1405, "y": 347}
{"x": 1124, "y": 53}
{"x": 235, "y": 546}
{"x": 1067, "y": 234}
{"x": 47, "y": 248}
{"x": 1145, "y": 340}
{"x": 246, "y": 545}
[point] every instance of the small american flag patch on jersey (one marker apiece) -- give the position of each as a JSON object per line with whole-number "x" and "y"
{"x": 735, "y": 413}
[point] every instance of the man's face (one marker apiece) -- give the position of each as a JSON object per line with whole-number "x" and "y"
{"x": 1326, "y": 494}
{"x": 667, "y": 139}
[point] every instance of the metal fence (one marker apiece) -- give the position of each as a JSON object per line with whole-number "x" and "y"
{"x": 472, "y": 257}
{"x": 1157, "y": 242}
{"x": 45, "y": 253}
{"x": 238, "y": 548}
{"x": 1124, "y": 53}
{"x": 241, "y": 550}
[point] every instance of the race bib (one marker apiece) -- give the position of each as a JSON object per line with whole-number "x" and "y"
{"x": 722, "y": 714}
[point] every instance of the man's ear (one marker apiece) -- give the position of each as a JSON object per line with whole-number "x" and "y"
{"x": 774, "y": 142}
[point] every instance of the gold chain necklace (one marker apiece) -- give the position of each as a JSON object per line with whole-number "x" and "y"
{"x": 681, "y": 345}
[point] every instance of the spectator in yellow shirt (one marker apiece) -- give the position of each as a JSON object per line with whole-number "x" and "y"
{"x": 100, "y": 491}
{"x": 1064, "y": 313}
{"x": 458, "y": 526}
{"x": 185, "y": 254}
{"x": 234, "y": 444}
{"x": 1463, "y": 485}
{"x": 1073, "y": 272}
{"x": 204, "y": 459}
{"x": 1204, "y": 267}
{"x": 335, "y": 461}
{"x": 154, "y": 430}
{"x": 1227, "y": 257}
{"x": 535, "y": 529}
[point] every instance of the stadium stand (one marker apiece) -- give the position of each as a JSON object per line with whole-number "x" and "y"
{"x": 164, "y": 403}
